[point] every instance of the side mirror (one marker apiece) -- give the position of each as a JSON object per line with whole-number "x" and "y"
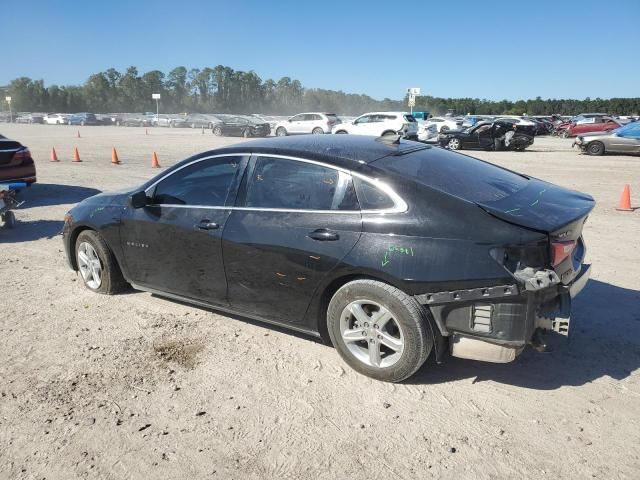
{"x": 139, "y": 199}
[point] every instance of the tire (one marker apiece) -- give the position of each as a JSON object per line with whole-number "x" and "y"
{"x": 341, "y": 132}
{"x": 246, "y": 133}
{"x": 82, "y": 123}
{"x": 564, "y": 133}
{"x": 111, "y": 279}
{"x": 317, "y": 131}
{"x": 281, "y": 132}
{"x": 9, "y": 219}
{"x": 406, "y": 329}
{"x": 595, "y": 148}
{"x": 453, "y": 144}
{"x": 217, "y": 131}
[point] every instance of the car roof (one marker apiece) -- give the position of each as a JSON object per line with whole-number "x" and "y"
{"x": 346, "y": 151}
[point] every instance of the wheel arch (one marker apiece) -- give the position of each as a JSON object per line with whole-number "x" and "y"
{"x": 73, "y": 238}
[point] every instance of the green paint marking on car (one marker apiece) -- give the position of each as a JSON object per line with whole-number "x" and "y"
{"x": 395, "y": 249}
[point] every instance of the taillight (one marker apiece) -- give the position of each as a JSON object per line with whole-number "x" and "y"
{"x": 560, "y": 251}
{"x": 22, "y": 155}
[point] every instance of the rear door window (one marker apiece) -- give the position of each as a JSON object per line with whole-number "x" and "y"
{"x": 296, "y": 185}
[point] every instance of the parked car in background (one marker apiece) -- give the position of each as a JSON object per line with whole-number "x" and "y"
{"x": 199, "y": 120}
{"x": 29, "y": 118}
{"x": 83, "y": 118}
{"x": 444, "y": 124}
{"x": 625, "y": 139}
{"x": 240, "y": 127}
{"x": 496, "y": 135}
{"x": 305, "y": 123}
{"x": 421, "y": 116}
{"x": 169, "y": 121}
{"x": 55, "y": 118}
{"x": 135, "y": 121}
{"x": 593, "y": 124}
{"x": 381, "y": 123}
{"x": 16, "y": 163}
{"x": 391, "y": 251}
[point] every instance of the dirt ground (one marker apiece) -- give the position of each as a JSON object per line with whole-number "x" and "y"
{"x": 139, "y": 387}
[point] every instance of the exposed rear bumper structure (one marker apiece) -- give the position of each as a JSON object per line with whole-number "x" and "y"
{"x": 496, "y": 323}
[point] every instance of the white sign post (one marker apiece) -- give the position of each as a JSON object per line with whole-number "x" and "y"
{"x": 156, "y": 97}
{"x": 8, "y": 99}
{"x": 413, "y": 92}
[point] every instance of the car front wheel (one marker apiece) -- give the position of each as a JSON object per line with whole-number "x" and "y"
{"x": 595, "y": 148}
{"x": 97, "y": 265}
{"x": 379, "y": 330}
{"x": 217, "y": 131}
{"x": 454, "y": 144}
{"x": 281, "y": 132}
{"x": 317, "y": 131}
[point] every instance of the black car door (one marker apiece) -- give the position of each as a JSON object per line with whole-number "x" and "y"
{"x": 293, "y": 222}
{"x": 174, "y": 244}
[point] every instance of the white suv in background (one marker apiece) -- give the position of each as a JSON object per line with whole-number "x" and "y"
{"x": 313, "y": 122}
{"x": 444, "y": 124}
{"x": 55, "y": 119}
{"x": 381, "y": 123}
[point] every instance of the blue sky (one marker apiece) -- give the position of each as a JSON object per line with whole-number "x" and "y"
{"x": 459, "y": 48}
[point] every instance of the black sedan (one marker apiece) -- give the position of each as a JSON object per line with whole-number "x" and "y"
{"x": 392, "y": 250}
{"x": 240, "y": 127}
{"x": 497, "y": 135}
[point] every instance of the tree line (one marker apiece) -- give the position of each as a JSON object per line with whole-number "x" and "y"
{"x": 224, "y": 90}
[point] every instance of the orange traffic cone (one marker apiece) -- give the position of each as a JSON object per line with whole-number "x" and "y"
{"x": 114, "y": 157}
{"x": 78, "y": 134}
{"x": 76, "y": 155}
{"x": 625, "y": 200}
{"x": 54, "y": 155}
{"x": 154, "y": 161}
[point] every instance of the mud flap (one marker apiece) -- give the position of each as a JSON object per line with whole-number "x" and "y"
{"x": 439, "y": 342}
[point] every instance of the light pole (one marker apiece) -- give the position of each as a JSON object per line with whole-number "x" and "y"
{"x": 156, "y": 97}
{"x": 8, "y": 99}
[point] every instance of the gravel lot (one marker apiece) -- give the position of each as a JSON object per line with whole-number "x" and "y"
{"x": 139, "y": 387}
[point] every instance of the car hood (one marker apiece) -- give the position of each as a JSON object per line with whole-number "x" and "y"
{"x": 541, "y": 206}
{"x": 117, "y": 198}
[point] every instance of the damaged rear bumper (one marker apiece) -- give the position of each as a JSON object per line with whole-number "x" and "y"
{"x": 496, "y": 323}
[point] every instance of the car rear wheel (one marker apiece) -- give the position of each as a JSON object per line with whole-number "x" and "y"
{"x": 454, "y": 144}
{"x": 379, "y": 330}
{"x": 97, "y": 265}
{"x": 564, "y": 133}
{"x": 281, "y": 132}
{"x": 317, "y": 131}
{"x": 217, "y": 131}
{"x": 341, "y": 132}
{"x": 595, "y": 148}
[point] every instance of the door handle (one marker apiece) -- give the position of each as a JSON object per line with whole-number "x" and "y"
{"x": 207, "y": 225}
{"x": 323, "y": 235}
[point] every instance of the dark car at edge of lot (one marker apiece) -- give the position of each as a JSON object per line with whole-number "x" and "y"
{"x": 391, "y": 250}
{"x": 16, "y": 163}
{"x": 496, "y": 135}
{"x": 235, "y": 126}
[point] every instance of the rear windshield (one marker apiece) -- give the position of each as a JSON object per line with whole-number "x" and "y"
{"x": 464, "y": 177}
{"x": 409, "y": 118}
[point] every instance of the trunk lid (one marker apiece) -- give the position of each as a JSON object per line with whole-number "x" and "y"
{"x": 544, "y": 207}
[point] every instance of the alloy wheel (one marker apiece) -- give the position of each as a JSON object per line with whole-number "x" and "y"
{"x": 90, "y": 265}
{"x": 371, "y": 333}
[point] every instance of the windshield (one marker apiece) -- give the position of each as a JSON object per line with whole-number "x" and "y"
{"x": 629, "y": 130}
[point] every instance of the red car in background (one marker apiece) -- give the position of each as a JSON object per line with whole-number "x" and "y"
{"x": 588, "y": 125}
{"x": 16, "y": 163}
